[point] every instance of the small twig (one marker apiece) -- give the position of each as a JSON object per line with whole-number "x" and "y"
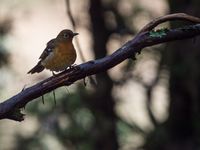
{"x": 177, "y": 16}
{"x": 74, "y": 28}
{"x": 67, "y": 90}
{"x": 43, "y": 99}
{"x": 84, "y": 82}
{"x": 23, "y": 87}
{"x": 54, "y": 97}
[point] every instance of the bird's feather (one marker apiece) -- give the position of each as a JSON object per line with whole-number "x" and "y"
{"x": 49, "y": 48}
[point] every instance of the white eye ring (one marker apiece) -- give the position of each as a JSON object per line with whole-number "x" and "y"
{"x": 66, "y": 35}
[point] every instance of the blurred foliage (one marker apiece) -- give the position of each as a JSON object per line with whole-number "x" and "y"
{"x": 181, "y": 129}
{"x": 70, "y": 121}
{"x": 5, "y": 29}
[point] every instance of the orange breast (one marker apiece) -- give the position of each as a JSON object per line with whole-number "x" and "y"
{"x": 63, "y": 56}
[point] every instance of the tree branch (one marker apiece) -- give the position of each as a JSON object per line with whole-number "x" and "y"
{"x": 11, "y": 108}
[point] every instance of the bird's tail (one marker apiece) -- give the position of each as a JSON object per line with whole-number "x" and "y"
{"x": 38, "y": 68}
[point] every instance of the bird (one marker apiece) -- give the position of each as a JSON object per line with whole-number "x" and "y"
{"x": 58, "y": 55}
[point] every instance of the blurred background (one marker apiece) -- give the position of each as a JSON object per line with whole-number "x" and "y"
{"x": 148, "y": 104}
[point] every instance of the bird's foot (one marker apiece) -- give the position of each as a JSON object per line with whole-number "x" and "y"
{"x": 73, "y": 66}
{"x": 54, "y": 74}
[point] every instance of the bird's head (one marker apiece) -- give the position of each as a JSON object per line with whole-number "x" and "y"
{"x": 66, "y": 35}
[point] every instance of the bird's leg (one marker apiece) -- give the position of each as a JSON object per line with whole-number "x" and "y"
{"x": 53, "y": 73}
{"x": 72, "y": 66}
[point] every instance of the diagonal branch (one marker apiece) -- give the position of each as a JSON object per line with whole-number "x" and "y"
{"x": 11, "y": 108}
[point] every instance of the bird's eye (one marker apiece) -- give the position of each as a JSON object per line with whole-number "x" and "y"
{"x": 66, "y": 35}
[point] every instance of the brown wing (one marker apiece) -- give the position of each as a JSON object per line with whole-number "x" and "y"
{"x": 48, "y": 49}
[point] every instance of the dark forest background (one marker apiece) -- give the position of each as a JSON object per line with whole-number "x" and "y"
{"x": 90, "y": 118}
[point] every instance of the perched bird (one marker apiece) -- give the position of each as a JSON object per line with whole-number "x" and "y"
{"x": 59, "y": 53}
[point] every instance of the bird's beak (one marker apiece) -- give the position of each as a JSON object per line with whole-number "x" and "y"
{"x": 75, "y": 34}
